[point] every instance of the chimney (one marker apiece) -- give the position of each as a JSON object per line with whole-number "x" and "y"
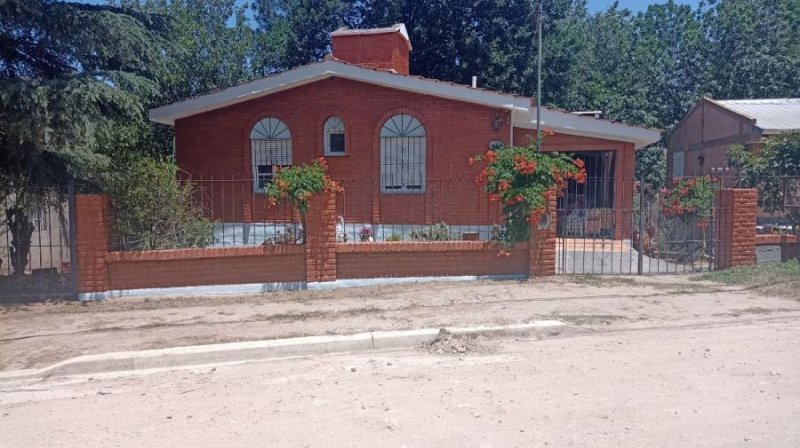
{"x": 379, "y": 48}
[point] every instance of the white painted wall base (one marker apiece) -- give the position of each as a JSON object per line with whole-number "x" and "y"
{"x": 256, "y": 288}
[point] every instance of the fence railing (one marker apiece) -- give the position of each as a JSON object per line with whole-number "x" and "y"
{"x": 444, "y": 209}
{"x": 35, "y": 236}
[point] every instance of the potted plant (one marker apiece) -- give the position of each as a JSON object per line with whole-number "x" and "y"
{"x": 365, "y": 234}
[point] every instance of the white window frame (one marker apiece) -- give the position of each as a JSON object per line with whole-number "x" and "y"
{"x": 403, "y": 155}
{"x": 334, "y": 126}
{"x": 270, "y": 148}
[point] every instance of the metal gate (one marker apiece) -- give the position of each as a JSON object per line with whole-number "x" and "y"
{"x": 610, "y": 226}
{"x": 36, "y": 242}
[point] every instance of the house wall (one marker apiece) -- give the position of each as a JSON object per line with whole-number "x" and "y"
{"x": 216, "y": 144}
{"x": 708, "y": 130}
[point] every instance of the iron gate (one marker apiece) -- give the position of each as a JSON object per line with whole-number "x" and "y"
{"x": 36, "y": 242}
{"x": 610, "y": 226}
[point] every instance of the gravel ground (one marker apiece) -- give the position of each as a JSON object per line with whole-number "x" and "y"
{"x": 38, "y": 335}
{"x": 733, "y": 383}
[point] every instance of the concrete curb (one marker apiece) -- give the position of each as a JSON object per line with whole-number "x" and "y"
{"x": 275, "y": 348}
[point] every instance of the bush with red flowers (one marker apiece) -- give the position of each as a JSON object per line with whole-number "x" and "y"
{"x": 690, "y": 197}
{"x": 519, "y": 177}
{"x": 298, "y": 183}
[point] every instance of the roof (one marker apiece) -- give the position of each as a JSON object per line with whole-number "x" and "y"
{"x": 772, "y": 116}
{"x": 396, "y": 28}
{"x": 524, "y": 115}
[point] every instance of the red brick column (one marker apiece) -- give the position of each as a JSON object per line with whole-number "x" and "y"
{"x": 735, "y": 227}
{"x": 542, "y": 245}
{"x": 321, "y": 238}
{"x": 92, "y": 235}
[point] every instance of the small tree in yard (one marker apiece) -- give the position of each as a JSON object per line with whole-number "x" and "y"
{"x": 768, "y": 170}
{"x": 153, "y": 210}
{"x": 519, "y": 178}
{"x": 298, "y": 184}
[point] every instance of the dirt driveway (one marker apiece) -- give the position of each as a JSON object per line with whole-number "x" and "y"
{"x": 37, "y": 335}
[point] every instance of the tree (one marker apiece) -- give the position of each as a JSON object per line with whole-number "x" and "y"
{"x": 68, "y": 73}
{"x": 295, "y": 32}
{"x": 651, "y": 166}
{"x": 768, "y": 170}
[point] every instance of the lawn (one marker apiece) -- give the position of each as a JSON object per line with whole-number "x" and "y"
{"x": 781, "y": 278}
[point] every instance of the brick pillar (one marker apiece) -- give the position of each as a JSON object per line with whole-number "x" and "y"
{"x": 735, "y": 227}
{"x": 92, "y": 235}
{"x": 321, "y": 238}
{"x": 542, "y": 245}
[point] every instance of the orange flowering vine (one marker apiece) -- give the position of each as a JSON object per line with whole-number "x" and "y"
{"x": 518, "y": 178}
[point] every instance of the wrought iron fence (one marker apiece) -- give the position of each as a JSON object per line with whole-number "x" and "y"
{"x": 642, "y": 230}
{"x": 36, "y": 241}
{"x": 240, "y": 213}
{"x": 445, "y": 209}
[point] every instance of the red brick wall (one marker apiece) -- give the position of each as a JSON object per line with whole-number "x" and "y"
{"x": 321, "y": 239}
{"x": 387, "y": 51}
{"x": 448, "y": 258}
{"x": 92, "y": 231}
{"x": 736, "y": 227}
{"x": 195, "y": 267}
{"x": 790, "y": 245}
{"x": 216, "y": 144}
{"x": 543, "y": 244}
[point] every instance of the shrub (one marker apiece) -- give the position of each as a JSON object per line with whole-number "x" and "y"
{"x": 298, "y": 184}
{"x": 436, "y": 232}
{"x": 152, "y": 210}
{"x": 519, "y": 177}
{"x": 394, "y": 238}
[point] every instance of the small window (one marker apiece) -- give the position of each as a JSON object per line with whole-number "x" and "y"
{"x": 271, "y": 145}
{"x": 678, "y": 167}
{"x": 334, "y": 137}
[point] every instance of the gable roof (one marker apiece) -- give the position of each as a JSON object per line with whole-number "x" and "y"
{"x": 524, "y": 115}
{"x": 329, "y": 68}
{"x": 772, "y": 116}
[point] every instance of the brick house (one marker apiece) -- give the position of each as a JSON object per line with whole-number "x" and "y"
{"x": 699, "y": 143}
{"x": 396, "y": 141}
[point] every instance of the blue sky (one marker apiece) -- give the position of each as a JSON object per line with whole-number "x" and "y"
{"x": 594, "y": 5}
{"x": 633, "y": 5}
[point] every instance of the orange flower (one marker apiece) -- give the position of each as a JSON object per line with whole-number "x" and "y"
{"x": 503, "y": 185}
{"x": 579, "y": 163}
{"x": 494, "y": 197}
{"x": 471, "y": 161}
{"x": 491, "y": 156}
{"x": 547, "y": 132}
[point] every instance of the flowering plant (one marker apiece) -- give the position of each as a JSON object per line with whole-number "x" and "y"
{"x": 298, "y": 183}
{"x": 519, "y": 177}
{"x": 692, "y": 196}
{"x": 365, "y": 233}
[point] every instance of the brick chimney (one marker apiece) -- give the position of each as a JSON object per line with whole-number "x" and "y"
{"x": 379, "y": 48}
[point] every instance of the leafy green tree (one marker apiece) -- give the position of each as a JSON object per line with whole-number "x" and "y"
{"x": 67, "y": 72}
{"x": 651, "y": 166}
{"x": 295, "y": 32}
{"x": 768, "y": 170}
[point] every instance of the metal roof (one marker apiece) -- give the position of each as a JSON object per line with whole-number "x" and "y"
{"x": 773, "y": 116}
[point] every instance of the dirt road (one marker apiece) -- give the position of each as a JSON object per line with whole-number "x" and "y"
{"x": 731, "y": 384}
{"x": 38, "y": 335}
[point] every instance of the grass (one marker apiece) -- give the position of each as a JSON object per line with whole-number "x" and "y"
{"x": 780, "y": 278}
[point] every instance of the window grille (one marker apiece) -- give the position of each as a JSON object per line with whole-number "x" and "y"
{"x": 678, "y": 162}
{"x": 334, "y": 136}
{"x": 402, "y": 155}
{"x": 271, "y": 144}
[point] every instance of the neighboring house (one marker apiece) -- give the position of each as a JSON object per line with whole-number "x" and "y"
{"x": 699, "y": 143}
{"x": 384, "y": 132}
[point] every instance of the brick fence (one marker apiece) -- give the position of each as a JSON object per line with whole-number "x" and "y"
{"x": 320, "y": 261}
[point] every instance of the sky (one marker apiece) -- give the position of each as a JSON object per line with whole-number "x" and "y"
{"x": 594, "y": 5}
{"x": 633, "y": 5}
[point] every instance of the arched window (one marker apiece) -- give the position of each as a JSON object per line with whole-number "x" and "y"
{"x": 402, "y": 155}
{"x": 334, "y": 136}
{"x": 271, "y": 145}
